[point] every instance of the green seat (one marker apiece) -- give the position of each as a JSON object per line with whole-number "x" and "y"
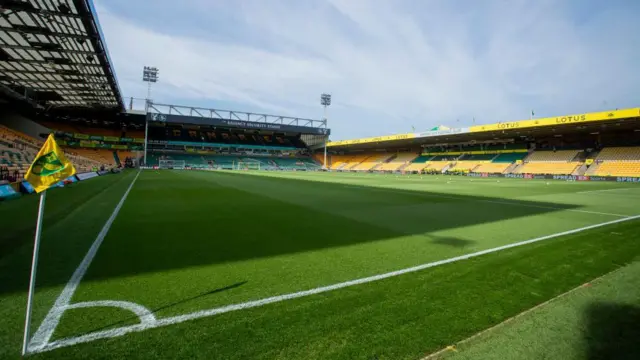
{"x": 509, "y": 158}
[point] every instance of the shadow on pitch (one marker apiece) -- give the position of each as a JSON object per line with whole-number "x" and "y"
{"x": 127, "y": 320}
{"x": 613, "y": 332}
{"x": 177, "y": 220}
{"x": 450, "y": 241}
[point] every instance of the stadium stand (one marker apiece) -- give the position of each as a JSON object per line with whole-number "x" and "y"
{"x": 397, "y": 162}
{"x": 617, "y": 168}
{"x": 561, "y": 162}
{"x": 222, "y": 136}
{"x": 17, "y": 151}
{"x": 437, "y": 165}
{"x": 17, "y": 137}
{"x": 552, "y": 156}
{"x": 492, "y": 168}
{"x": 371, "y": 162}
{"x": 319, "y": 157}
{"x": 60, "y": 126}
{"x": 339, "y": 161}
{"x": 295, "y": 163}
{"x": 468, "y": 163}
{"x": 100, "y": 156}
{"x": 125, "y": 157}
{"x": 231, "y": 162}
{"x": 478, "y": 157}
{"x": 509, "y": 158}
{"x": 500, "y": 163}
{"x": 616, "y": 161}
{"x": 89, "y": 130}
{"x": 466, "y": 166}
{"x": 122, "y": 154}
{"x": 418, "y": 164}
{"x": 550, "y": 168}
{"x": 83, "y": 164}
{"x": 630, "y": 153}
{"x": 612, "y": 161}
{"x": 348, "y": 162}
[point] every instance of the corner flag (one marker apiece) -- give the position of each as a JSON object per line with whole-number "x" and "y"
{"x": 49, "y": 167}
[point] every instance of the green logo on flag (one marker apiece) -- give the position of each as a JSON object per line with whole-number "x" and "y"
{"x": 47, "y": 165}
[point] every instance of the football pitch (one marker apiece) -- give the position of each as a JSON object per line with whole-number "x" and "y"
{"x": 266, "y": 265}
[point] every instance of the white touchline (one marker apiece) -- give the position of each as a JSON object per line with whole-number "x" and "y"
{"x": 501, "y": 202}
{"x": 50, "y": 322}
{"x": 605, "y": 190}
{"x": 111, "y": 333}
{"x": 552, "y": 208}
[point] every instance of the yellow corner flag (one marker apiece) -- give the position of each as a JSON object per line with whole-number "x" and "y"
{"x": 49, "y": 167}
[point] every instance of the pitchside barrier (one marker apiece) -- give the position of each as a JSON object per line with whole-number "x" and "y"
{"x": 630, "y": 179}
{"x": 86, "y": 175}
{"x": 8, "y": 192}
{"x": 236, "y": 167}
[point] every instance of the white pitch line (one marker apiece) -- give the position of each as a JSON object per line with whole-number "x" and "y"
{"x": 603, "y": 190}
{"x": 111, "y": 333}
{"x": 145, "y": 315}
{"x": 42, "y": 336}
{"x": 501, "y": 202}
{"x": 553, "y": 208}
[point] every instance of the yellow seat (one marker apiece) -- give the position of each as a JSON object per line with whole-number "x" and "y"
{"x": 399, "y": 161}
{"x": 436, "y": 165}
{"x": 463, "y": 165}
{"x": 552, "y": 168}
{"x": 618, "y": 168}
{"x": 371, "y": 162}
{"x": 492, "y": 168}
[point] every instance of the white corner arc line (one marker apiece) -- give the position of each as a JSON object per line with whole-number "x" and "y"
{"x": 145, "y": 315}
{"x": 50, "y": 322}
{"x": 274, "y": 299}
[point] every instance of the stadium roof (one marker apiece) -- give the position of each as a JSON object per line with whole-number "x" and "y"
{"x": 53, "y": 56}
{"x": 624, "y": 118}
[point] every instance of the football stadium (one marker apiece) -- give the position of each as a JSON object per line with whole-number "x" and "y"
{"x": 201, "y": 233}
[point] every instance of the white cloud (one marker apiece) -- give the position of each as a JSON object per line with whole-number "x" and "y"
{"x": 390, "y": 64}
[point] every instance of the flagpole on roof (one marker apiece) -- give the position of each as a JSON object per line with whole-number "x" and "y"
{"x": 32, "y": 278}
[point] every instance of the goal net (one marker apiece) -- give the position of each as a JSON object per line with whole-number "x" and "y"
{"x": 247, "y": 165}
{"x": 171, "y": 164}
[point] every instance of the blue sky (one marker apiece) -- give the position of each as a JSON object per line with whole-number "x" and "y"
{"x": 389, "y": 64}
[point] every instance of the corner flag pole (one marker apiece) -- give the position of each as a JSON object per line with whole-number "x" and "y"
{"x": 34, "y": 265}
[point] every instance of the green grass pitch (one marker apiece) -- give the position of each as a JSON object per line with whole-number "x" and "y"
{"x": 596, "y": 321}
{"x": 186, "y": 242}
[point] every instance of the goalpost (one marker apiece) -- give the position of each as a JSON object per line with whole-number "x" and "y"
{"x": 246, "y": 165}
{"x": 171, "y": 164}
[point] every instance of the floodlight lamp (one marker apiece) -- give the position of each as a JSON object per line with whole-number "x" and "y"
{"x": 150, "y": 74}
{"x": 325, "y": 99}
